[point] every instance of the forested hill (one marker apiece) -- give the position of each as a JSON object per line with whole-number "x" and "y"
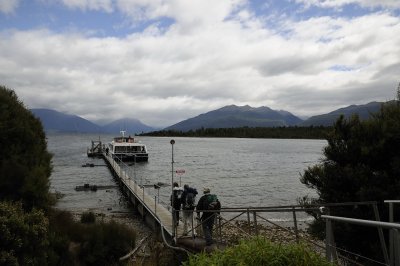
{"x": 250, "y": 132}
{"x": 363, "y": 111}
{"x": 238, "y": 116}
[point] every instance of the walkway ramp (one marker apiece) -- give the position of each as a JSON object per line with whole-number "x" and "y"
{"x": 155, "y": 214}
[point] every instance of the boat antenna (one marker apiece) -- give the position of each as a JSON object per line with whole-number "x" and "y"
{"x": 123, "y": 133}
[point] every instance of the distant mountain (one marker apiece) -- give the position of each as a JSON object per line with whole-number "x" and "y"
{"x": 132, "y": 126}
{"x": 59, "y": 122}
{"x": 363, "y": 111}
{"x": 238, "y": 116}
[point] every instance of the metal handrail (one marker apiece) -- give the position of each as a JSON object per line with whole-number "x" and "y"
{"x": 394, "y": 228}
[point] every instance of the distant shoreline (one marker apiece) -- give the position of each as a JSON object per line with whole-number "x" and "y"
{"x": 312, "y": 132}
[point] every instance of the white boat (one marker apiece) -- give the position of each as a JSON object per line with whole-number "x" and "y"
{"x": 127, "y": 149}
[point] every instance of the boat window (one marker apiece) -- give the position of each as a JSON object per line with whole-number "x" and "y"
{"x": 120, "y": 149}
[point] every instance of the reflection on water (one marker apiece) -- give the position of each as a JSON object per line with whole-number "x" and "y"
{"x": 242, "y": 172}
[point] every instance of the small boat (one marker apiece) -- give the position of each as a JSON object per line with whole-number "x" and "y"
{"x": 127, "y": 149}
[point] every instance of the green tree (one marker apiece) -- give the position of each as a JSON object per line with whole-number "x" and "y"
{"x": 25, "y": 163}
{"x": 362, "y": 163}
{"x": 23, "y": 235}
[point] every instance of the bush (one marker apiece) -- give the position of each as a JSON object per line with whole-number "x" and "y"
{"x": 105, "y": 243}
{"x": 23, "y": 235}
{"x": 88, "y": 218}
{"x": 259, "y": 251}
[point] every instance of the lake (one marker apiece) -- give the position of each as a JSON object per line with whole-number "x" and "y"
{"x": 242, "y": 172}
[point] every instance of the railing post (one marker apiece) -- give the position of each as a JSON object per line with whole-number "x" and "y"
{"x": 396, "y": 246}
{"x": 328, "y": 232}
{"x": 296, "y": 231}
{"x": 380, "y": 233}
{"x": 391, "y": 233}
{"x": 248, "y": 220}
{"x": 255, "y": 222}
{"x": 219, "y": 227}
{"x": 155, "y": 204}
{"x": 330, "y": 242}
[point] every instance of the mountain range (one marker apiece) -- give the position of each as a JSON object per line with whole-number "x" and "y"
{"x": 59, "y": 122}
{"x": 226, "y": 117}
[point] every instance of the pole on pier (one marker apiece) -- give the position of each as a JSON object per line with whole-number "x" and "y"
{"x": 172, "y": 188}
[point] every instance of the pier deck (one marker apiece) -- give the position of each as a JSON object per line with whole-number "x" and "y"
{"x": 155, "y": 214}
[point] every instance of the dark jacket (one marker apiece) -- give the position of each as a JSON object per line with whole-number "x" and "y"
{"x": 185, "y": 192}
{"x": 177, "y": 201}
{"x": 202, "y": 205}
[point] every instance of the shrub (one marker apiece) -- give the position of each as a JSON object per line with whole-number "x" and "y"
{"x": 88, "y": 218}
{"x": 259, "y": 251}
{"x": 105, "y": 243}
{"x": 23, "y": 235}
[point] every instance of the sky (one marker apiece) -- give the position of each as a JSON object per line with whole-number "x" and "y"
{"x": 164, "y": 61}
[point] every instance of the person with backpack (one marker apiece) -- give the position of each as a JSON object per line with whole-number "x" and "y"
{"x": 188, "y": 205}
{"x": 176, "y": 202}
{"x": 208, "y": 204}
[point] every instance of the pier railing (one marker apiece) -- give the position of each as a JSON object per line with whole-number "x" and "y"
{"x": 248, "y": 221}
{"x": 331, "y": 249}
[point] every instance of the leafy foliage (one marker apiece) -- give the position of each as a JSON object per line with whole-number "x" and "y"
{"x": 27, "y": 235}
{"x": 104, "y": 243}
{"x": 25, "y": 164}
{"x": 259, "y": 251}
{"x": 23, "y": 235}
{"x": 88, "y": 218}
{"x": 89, "y": 244}
{"x": 362, "y": 163}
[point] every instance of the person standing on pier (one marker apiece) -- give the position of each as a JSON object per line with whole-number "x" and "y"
{"x": 188, "y": 205}
{"x": 176, "y": 202}
{"x": 208, "y": 204}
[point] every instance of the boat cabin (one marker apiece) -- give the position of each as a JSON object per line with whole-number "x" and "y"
{"x": 128, "y": 149}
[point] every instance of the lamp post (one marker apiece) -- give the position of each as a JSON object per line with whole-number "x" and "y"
{"x": 172, "y": 187}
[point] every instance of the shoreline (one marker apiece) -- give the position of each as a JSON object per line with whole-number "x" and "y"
{"x": 231, "y": 234}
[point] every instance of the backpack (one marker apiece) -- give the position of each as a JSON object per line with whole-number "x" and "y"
{"x": 178, "y": 193}
{"x": 213, "y": 202}
{"x": 189, "y": 201}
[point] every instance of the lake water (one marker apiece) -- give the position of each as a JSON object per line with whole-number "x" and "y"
{"x": 242, "y": 172}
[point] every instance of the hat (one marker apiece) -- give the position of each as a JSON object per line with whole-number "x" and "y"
{"x": 206, "y": 190}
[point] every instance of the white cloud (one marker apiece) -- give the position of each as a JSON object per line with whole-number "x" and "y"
{"x": 341, "y": 3}
{"x": 164, "y": 76}
{"x": 8, "y": 6}
{"x": 192, "y": 12}
{"x": 97, "y": 5}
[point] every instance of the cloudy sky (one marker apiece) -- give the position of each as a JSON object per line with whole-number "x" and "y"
{"x": 163, "y": 61}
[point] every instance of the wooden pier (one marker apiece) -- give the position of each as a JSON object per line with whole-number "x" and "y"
{"x": 156, "y": 215}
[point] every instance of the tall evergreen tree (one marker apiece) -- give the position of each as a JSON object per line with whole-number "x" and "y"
{"x": 362, "y": 163}
{"x": 25, "y": 163}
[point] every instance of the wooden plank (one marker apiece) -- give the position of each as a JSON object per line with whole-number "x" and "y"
{"x": 159, "y": 212}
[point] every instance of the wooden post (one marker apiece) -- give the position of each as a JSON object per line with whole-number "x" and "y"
{"x": 255, "y": 222}
{"x": 248, "y": 220}
{"x": 296, "y": 231}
